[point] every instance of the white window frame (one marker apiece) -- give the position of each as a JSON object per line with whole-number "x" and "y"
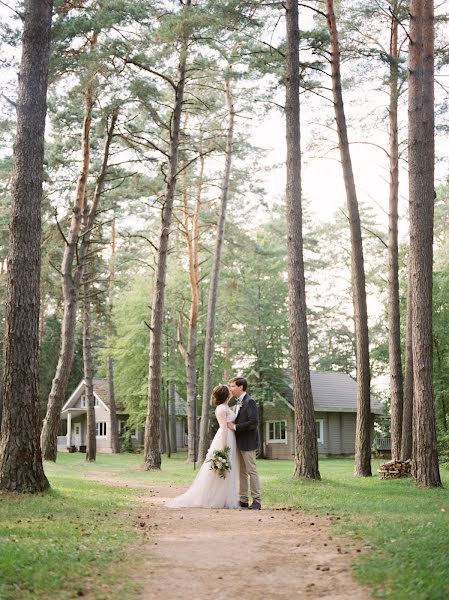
{"x": 271, "y": 441}
{"x": 100, "y": 429}
{"x": 320, "y": 438}
{"x": 83, "y": 401}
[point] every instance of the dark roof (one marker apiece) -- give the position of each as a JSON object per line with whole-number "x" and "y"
{"x": 180, "y": 405}
{"x": 101, "y": 388}
{"x": 333, "y": 392}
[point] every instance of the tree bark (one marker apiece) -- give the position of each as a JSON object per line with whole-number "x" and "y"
{"x": 152, "y": 455}
{"x": 115, "y": 446}
{"x": 394, "y": 323}
{"x": 167, "y": 419}
{"x": 163, "y": 437}
{"x": 91, "y": 446}
{"x": 191, "y": 230}
{"x": 209, "y": 344}
{"x": 306, "y": 447}
{"x": 21, "y": 467}
{"x": 363, "y": 425}
{"x": 407, "y": 417}
{"x": 71, "y": 278}
{"x": 172, "y": 412}
{"x": 421, "y": 155}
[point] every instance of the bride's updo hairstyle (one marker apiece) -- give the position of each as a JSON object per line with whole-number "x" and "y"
{"x": 220, "y": 394}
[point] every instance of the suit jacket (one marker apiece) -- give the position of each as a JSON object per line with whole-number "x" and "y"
{"x": 247, "y": 425}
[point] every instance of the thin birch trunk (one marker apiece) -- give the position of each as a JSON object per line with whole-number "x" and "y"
{"x": 394, "y": 323}
{"x": 21, "y": 467}
{"x": 214, "y": 279}
{"x": 421, "y": 157}
{"x": 306, "y": 447}
{"x": 363, "y": 424}
{"x": 152, "y": 455}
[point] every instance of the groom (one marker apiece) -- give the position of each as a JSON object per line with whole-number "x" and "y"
{"x": 247, "y": 437}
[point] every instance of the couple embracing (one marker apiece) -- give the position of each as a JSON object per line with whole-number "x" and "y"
{"x": 238, "y": 438}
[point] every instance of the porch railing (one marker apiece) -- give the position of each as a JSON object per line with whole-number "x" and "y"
{"x": 382, "y": 443}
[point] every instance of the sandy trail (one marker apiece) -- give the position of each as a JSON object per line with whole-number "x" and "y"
{"x": 196, "y": 554}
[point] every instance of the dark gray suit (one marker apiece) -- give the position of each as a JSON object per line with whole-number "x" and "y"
{"x": 247, "y": 437}
{"x": 247, "y": 425}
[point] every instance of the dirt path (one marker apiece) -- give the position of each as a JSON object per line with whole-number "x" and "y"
{"x": 202, "y": 554}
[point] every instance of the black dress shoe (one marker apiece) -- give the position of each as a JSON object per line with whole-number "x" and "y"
{"x": 244, "y": 504}
{"x": 255, "y": 506}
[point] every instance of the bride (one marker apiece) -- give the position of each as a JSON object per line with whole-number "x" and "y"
{"x": 209, "y": 490}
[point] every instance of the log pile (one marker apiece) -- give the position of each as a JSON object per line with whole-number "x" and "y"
{"x": 394, "y": 469}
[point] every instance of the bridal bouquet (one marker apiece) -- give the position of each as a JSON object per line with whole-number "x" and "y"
{"x": 220, "y": 462}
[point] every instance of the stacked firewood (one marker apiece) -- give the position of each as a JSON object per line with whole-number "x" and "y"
{"x": 394, "y": 469}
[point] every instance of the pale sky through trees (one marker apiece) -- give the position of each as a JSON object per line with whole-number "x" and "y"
{"x": 322, "y": 178}
{"x": 323, "y": 188}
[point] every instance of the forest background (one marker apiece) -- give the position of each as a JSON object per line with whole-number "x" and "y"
{"x": 107, "y": 54}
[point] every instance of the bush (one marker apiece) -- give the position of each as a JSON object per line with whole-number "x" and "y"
{"x": 126, "y": 444}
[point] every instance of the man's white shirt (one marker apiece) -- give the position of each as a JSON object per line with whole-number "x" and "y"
{"x": 237, "y": 407}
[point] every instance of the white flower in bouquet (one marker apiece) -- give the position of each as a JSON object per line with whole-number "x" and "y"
{"x": 219, "y": 462}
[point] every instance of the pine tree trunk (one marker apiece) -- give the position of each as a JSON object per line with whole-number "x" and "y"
{"x": 306, "y": 447}
{"x": 163, "y": 439}
{"x": 421, "y": 156}
{"x": 115, "y": 446}
{"x": 91, "y": 446}
{"x": 21, "y": 467}
{"x": 71, "y": 278}
{"x": 407, "y": 416}
{"x": 363, "y": 425}
{"x": 172, "y": 412}
{"x": 167, "y": 420}
{"x": 152, "y": 455}
{"x": 394, "y": 324}
{"x": 214, "y": 279}
{"x": 191, "y": 229}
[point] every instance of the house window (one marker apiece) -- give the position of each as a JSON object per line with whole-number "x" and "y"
{"x": 319, "y": 431}
{"x": 123, "y": 428}
{"x": 277, "y": 432}
{"x": 100, "y": 429}
{"x": 83, "y": 401}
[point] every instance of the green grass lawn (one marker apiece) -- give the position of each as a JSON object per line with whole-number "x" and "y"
{"x": 79, "y": 538}
{"x": 69, "y": 542}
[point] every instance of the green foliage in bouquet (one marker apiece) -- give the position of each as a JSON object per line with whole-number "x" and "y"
{"x": 220, "y": 462}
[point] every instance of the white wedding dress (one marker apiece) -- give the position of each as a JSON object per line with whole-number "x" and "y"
{"x": 208, "y": 489}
